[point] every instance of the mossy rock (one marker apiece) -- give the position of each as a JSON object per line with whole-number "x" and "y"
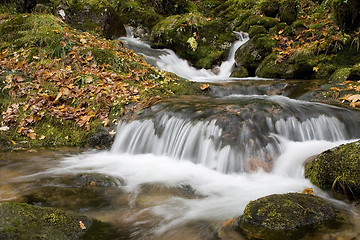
{"x": 239, "y": 72}
{"x": 288, "y": 11}
{"x": 337, "y": 169}
{"x": 286, "y": 216}
{"x": 97, "y": 17}
{"x": 192, "y": 36}
{"x": 270, "y": 7}
{"x": 299, "y": 66}
{"x": 80, "y": 193}
{"x": 266, "y": 22}
{"x": 21, "y": 221}
{"x": 250, "y": 54}
{"x": 346, "y": 13}
{"x": 340, "y": 74}
{"x": 257, "y": 29}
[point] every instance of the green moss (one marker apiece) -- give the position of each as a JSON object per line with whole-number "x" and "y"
{"x": 252, "y": 53}
{"x": 21, "y": 221}
{"x": 299, "y": 66}
{"x": 340, "y": 75}
{"x": 286, "y": 216}
{"x": 346, "y": 13}
{"x": 289, "y": 10}
{"x": 266, "y": 22}
{"x": 270, "y": 7}
{"x": 31, "y": 30}
{"x": 337, "y": 169}
{"x": 257, "y": 29}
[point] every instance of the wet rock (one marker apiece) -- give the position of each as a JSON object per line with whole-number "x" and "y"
{"x": 240, "y": 72}
{"x": 21, "y": 221}
{"x": 287, "y": 216}
{"x": 337, "y": 169}
{"x": 81, "y": 193}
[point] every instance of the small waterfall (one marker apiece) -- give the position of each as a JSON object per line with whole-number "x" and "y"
{"x": 234, "y": 143}
{"x": 167, "y": 60}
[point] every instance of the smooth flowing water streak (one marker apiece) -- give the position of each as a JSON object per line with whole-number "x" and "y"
{"x": 228, "y": 142}
{"x": 221, "y": 196}
{"x": 167, "y": 60}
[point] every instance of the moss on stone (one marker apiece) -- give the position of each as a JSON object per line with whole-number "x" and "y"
{"x": 251, "y": 54}
{"x": 270, "y": 7}
{"x": 340, "y": 75}
{"x": 257, "y": 29}
{"x": 299, "y": 66}
{"x": 346, "y": 13}
{"x": 289, "y": 11}
{"x": 286, "y": 216}
{"x": 266, "y": 22}
{"x": 337, "y": 169}
{"x": 193, "y": 37}
{"x": 21, "y": 221}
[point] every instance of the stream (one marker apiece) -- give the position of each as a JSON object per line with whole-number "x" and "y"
{"x": 181, "y": 168}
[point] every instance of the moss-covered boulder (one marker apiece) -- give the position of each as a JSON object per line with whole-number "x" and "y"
{"x": 91, "y": 16}
{"x": 299, "y": 66}
{"x": 26, "y": 222}
{"x": 346, "y": 13}
{"x": 286, "y": 216}
{"x": 337, "y": 169}
{"x": 251, "y": 54}
{"x": 266, "y": 22}
{"x": 194, "y": 37}
{"x": 289, "y": 10}
{"x": 270, "y": 7}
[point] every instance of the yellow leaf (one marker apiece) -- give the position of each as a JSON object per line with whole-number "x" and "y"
{"x": 308, "y": 191}
{"x": 82, "y": 226}
{"x": 205, "y": 86}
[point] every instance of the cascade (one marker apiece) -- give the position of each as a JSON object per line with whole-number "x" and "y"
{"x": 167, "y": 60}
{"x": 229, "y": 143}
{"x": 210, "y": 155}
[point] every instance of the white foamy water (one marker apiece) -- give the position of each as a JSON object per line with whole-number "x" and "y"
{"x": 167, "y": 60}
{"x": 225, "y": 195}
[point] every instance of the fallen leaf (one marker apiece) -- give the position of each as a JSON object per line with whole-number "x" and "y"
{"x": 82, "y": 226}
{"x": 308, "y": 191}
{"x": 205, "y": 86}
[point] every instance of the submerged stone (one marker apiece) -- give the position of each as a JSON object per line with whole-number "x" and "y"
{"x": 286, "y": 216}
{"x": 337, "y": 169}
{"x": 22, "y": 221}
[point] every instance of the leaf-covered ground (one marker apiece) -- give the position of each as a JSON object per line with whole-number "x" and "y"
{"x": 53, "y": 75}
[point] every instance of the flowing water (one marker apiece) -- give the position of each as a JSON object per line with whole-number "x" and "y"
{"x": 181, "y": 168}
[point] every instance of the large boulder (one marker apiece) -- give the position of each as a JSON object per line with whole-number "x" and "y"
{"x": 298, "y": 66}
{"x": 21, "y": 221}
{"x": 251, "y": 54}
{"x": 337, "y": 169}
{"x": 288, "y": 11}
{"x": 346, "y": 13}
{"x": 202, "y": 41}
{"x": 286, "y": 216}
{"x": 92, "y": 16}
